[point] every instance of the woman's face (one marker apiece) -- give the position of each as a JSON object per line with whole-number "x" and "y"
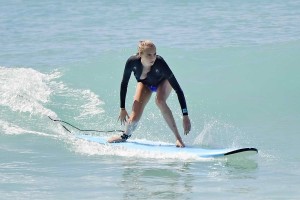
{"x": 148, "y": 56}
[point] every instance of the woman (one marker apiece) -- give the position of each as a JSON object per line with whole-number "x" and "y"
{"x": 153, "y": 75}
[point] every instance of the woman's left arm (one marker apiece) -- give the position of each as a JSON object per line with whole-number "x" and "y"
{"x": 181, "y": 98}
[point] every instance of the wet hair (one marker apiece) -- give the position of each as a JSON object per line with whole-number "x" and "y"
{"x": 144, "y": 44}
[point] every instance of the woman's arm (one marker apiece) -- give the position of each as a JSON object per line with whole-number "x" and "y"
{"x": 124, "y": 82}
{"x": 175, "y": 85}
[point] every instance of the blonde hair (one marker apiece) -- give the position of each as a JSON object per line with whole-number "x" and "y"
{"x": 144, "y": 44}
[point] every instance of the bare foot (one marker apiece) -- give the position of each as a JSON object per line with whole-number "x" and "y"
{"x": 179, "y": 144}
{"x": 116, "y": 139}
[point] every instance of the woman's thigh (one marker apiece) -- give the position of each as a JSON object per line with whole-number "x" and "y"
{"x": 163, "y": 91}
{"x": 141, "y": 98}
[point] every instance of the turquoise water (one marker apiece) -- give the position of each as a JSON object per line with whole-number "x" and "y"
{"x": 237, "y": 62}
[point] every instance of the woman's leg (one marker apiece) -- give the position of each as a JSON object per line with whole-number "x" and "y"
{"x": 141, "y": 98}
{"x": 163, "y": 92}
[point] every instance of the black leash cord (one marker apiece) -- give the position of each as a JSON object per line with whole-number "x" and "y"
{"x": 91, "y": 130}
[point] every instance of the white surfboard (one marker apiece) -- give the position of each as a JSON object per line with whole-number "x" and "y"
{"x": 171, "y": 148}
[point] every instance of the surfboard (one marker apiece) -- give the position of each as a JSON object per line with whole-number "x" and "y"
{"x": 170, "y": 148}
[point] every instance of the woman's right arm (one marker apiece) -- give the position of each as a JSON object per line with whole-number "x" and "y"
{"x": 124, "y": 82}
{"x": 123, "y": 91}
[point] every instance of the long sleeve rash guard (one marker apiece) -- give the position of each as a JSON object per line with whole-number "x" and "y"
{"x": 159, "y": 72}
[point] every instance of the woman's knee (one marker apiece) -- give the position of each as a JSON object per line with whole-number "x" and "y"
{"x": 137, "y": 111}
{"x": 160, "y": 102}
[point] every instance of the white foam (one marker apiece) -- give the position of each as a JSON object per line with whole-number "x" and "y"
{"x": 12, "y": 129}
{"x": 216, "y": 133}
{"x": 28, "y": 90}
{"x": 205, "y": 136}
{"x": 92, "y": 105}
{"x": 25, "y": 90}
{"x": 26, "y": 95}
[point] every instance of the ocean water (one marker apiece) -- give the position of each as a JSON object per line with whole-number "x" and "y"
{"x": 236, "y": 61}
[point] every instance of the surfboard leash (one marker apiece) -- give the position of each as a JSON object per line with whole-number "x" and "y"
{"x": 83, "y": 130}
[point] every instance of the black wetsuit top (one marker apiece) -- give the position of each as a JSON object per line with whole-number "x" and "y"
{"x": 159, "y": 72}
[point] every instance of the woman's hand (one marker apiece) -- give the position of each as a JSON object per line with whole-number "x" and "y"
{"x": 123, "y": 116}
{"x": 186, "y": 124}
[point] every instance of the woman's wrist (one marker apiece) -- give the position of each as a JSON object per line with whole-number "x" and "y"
{"x": 184, "y": 111}
{"x": 185, "y": 117}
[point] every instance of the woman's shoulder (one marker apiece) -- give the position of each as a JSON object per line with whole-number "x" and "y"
{"x": 132, "y": 61}
{"x": 134, "y": 57}
{"x": 159, "y": 57}
{"x": 160, "y": 60}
